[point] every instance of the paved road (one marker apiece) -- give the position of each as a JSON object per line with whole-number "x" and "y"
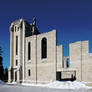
{"x": 16, "y": 88}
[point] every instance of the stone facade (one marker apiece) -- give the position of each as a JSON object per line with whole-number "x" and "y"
{"x": 41, "y": 69}
{"x": 36, "y": 58}
{"x": 37, "y": 69}
{"x": 81, "y": 60}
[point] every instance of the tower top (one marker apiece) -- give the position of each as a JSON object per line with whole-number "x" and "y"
{"x": 34, "y": 21}
{"x": 31, "y": 29}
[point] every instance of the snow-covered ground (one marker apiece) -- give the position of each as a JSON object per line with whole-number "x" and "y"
{"x": 61, "y": 85}
{"x": 56, "y": 85}
{"x": 2, "y": 83}
{"x": 67, "y": 85}
{"x": 51, "y": 87}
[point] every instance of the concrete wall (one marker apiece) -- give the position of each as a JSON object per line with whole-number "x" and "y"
{"x": 67, "y": 73}
{"x": 17, "y": 28}
{"x": 84, "y": 61}
{"x": 81, "y": 60}
{"x": 31, "y": 64}
{"x": 42, "y": 70}
{"x": 88, "y": 69}
{"x": 59, "y": 57}
{"x": 46, "y": 68}
{"x": 16, "y": 31}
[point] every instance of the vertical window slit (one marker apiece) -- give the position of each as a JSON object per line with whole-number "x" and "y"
{"x": 29, "y": 51}
{"x": 44, "y": 48}
{"x": 16, "y": 45}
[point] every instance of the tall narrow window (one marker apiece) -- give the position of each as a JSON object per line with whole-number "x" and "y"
{"x": 18, "y": 28}
{"x": 15, "y": 76}
{"x": 16, "y": 62}
{"x": 68, "y": 63}
{"x": 16, "y": 45}
{"x": 29, "y": 51}
{"x": 44, "y": 48}
{"x": 29, "y": 72}
{"x": 15, "y": 28}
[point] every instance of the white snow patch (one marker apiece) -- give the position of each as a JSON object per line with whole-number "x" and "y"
{"x": 13, "y": 83}
{"x": 61, "y": 85}
{"x": 28, "y": 84}
{"x": 67, "y": 85}
{"x": 2, "y": 83}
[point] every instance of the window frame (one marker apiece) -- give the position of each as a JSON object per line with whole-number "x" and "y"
{"x": 16, "y": 45}
{"x": 29, "y": 72}
{"x": 29, "y": 50}
{"x": 16, "y": 62}
{"x": 44, "y": 48}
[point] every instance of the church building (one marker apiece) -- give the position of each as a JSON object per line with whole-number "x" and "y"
{"x": 36, "y": 58}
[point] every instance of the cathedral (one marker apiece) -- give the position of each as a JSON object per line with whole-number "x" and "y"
{"x": 36, "y": 58}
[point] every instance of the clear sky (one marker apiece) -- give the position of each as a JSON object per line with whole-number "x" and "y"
{"x": 71, "y": 18}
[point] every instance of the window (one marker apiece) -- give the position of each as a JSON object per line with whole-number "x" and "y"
{"x": 16, "y": 62}
{"x": 15, "y": 28}
{"x": 44, "y": 48}
{"x": 15, "y": 76}
{"x": 29, "y": 72}
{"x": 18, "y": 28}
{"x": 29, "y": 51}
{"x": 16, "y": 45}
{"x": 68, "y": 63}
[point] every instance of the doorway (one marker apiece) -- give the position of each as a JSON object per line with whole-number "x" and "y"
{"x": 15, "y": 76}
{"x": 58, "y": 76}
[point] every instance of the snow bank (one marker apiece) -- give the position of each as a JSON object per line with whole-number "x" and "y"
{"x": 61, "y": 85}
{"x": 67, "y": 85}
{"x": 13, "y": 83}
{"x": 2, "y": 83}
{"x": 28, "y": 84}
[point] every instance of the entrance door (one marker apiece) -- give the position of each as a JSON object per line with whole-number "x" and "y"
{"x": 58, "y": 76}
{"x": 15, "y": 76}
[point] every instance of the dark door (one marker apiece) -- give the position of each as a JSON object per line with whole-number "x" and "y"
{"x": 15, "y": 76}
{"x": 58, "y": 76}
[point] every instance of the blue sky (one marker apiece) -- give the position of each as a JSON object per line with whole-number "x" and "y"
{"x": 71, "y": 18}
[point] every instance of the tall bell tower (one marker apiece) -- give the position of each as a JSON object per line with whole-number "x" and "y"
{"x": 19, "y": 30}
{"x": 17, "y": 40}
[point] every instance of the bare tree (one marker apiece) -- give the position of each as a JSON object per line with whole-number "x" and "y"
{"x": 1, "y": 65}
